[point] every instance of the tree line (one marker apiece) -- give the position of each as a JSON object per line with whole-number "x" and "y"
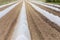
{"x": 53, "y": 0}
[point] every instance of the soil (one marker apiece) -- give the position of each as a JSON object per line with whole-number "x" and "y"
{"x": 39, "y": 28}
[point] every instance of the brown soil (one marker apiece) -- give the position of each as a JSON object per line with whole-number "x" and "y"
{"x": 1, "y": 9}
{"x": 7, "y": 23}
{"x": 49, "y": 10}
{"x": 48, "y": 21}
{"x": 52, "y": 5}
{"x": 39, "y": 28}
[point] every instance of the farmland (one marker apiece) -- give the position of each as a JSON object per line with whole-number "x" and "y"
{"x": 5, "y": 1}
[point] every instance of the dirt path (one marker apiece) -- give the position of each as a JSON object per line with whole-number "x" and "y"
{"x": 40, "y": 30}
{"x": 7, "y": 22}
{"x": 49, "y": 10}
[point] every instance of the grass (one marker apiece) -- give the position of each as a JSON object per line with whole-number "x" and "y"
{"x": 55, "y": 2}
{"x": 2, "y": 2}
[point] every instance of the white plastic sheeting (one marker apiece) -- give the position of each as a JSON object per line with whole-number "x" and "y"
{"x": 21, "y": 31}
{"x": 43, "y": 4}
{"x": 48, "y": 15}
{"x": 4, "y": 12}
{"x": 7, "y": 4}
{"x": 53, "y": 4}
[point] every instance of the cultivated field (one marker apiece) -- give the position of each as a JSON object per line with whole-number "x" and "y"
{"x": 5, "y": 1}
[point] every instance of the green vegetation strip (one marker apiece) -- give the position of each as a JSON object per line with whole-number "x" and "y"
{"x": 2, "y": 2}
{"x": 54, "y": 3}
